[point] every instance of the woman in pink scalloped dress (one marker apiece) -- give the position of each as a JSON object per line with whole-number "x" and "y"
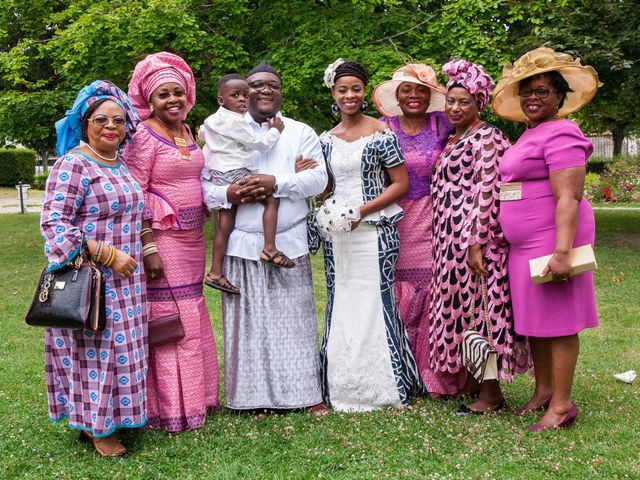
{"x": 183, "y": 376}
{"x": 469, "y": 248}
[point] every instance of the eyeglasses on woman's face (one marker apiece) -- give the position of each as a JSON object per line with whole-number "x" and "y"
{"x": 540, "y": 92}
{"x": 103, "y": 120}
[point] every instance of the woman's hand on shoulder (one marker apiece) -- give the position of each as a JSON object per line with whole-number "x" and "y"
{"x": 153, "y": 267}
{"x": 124, "y": 265}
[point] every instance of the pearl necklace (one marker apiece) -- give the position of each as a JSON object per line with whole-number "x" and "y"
{"x": 106, "y": 159}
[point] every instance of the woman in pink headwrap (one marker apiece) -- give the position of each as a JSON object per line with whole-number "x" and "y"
{"x": 469, "y": 249}
{"x": 183, "y": 375}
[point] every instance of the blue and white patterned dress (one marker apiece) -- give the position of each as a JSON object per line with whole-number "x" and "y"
{"x": 97, "y": 380}
{"x": 366, "y": 358}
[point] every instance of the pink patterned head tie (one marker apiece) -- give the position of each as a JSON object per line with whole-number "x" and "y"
{"x": 472, "y": 77}
{"x": 155, "y": 70}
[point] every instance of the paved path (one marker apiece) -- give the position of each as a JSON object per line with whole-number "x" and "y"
{"x": 10, "y": 204}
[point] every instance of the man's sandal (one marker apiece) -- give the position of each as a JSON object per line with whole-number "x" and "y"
{"x": 278, "y": 259}
{"x": 221, "y": 283}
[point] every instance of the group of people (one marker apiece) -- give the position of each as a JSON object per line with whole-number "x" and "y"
{"x": 427, "y": 216}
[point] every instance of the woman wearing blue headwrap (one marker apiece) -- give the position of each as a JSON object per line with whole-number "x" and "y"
{"x": 97, "y": 380}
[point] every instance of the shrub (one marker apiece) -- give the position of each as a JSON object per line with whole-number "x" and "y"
{"x": 620, "y": 183}
{"x": 16, "y": 165}
{"x": 40, "y": 180}
{"x": 597, "y": 165}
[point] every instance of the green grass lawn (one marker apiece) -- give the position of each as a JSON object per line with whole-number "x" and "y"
{"x": 424, "y": 441}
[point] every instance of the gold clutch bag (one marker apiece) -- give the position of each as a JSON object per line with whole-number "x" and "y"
{"x": 582, "y": 260}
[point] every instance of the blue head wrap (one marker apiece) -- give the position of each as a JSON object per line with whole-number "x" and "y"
{"x": 69, "y": 128}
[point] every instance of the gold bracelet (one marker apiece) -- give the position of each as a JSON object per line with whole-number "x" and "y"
{"x": 112, "y": 257}
{"x": 149, "y": 249}
{"x": 144, "y": 231}
{"x": 149, "y": 246}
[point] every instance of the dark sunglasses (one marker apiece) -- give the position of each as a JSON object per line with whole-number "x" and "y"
{"x": 540, "y": 92}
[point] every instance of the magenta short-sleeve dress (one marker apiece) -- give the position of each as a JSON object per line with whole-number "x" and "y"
{"x": 551, "y": 309}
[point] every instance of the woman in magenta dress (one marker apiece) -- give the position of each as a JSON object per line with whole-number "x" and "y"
{"x": 183, "y": 376}
{"x": 468, "y": 244}
{"x": 545, "y": 214}
{"x": 411, "y": 104}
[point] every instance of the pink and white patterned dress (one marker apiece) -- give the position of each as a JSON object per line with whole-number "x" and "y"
{"x": 184, "y": 377}
{"x": 97, "y": 380}
{"x": 466, "y": 188}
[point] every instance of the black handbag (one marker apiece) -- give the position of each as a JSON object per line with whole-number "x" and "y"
{"x": 165, "y": 329}
{"x": 70, "y": 297}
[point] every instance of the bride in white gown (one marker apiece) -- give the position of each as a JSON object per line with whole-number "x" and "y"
{"x": 367, "y": 363}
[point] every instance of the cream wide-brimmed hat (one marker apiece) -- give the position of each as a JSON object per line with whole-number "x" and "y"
{"x": 582, "y": 79}
{"x": 384, "y": 95}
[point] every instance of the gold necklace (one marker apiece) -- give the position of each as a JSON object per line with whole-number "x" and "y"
{"x": 180, "y": 141}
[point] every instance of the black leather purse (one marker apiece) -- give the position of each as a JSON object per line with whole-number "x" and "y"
{"x": 70, "y": 297}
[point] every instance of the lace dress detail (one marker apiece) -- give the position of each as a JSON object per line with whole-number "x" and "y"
{"x": 367, "y": 362}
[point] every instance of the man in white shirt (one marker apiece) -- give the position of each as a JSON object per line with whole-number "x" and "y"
{"x": 270, "y": 331}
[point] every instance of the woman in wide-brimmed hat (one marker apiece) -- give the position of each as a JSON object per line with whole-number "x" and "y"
{"x": 544, "y": 213}
{"x": 412, "y": 104}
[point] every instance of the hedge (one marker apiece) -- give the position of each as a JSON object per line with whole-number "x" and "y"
{"x": 16, "y": 165}
{"x": 597, "y": 166}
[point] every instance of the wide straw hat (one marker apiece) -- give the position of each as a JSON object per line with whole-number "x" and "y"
{"x": 384, "y": 95}
{"x": 582, "y": 79}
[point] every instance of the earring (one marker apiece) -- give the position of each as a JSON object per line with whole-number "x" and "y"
{"x": 334, "y": 109}
{"x": 151, "y": 108}
{"x": 364, "y": 105}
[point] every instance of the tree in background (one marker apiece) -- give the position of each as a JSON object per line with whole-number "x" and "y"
{"x": 604, "y": 33}
{"x": 51, "y": 48}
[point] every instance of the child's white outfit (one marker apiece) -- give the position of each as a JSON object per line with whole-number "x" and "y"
{"x": 229, "y": 143}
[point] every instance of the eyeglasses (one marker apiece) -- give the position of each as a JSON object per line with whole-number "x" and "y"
{"x": 540, "y": 92}
{"x": 103, "y": 121}
{"x": 259, "y": 85}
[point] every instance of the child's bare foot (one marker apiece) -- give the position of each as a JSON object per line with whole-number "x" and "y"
{"x": 277, "y": 259}
{"x": 221, "y": 283}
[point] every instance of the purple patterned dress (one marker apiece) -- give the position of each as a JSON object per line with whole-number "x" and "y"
{"x": 415, "y": 262}
{"x": 97, "y": 380}
{"x": 466, "y": 188}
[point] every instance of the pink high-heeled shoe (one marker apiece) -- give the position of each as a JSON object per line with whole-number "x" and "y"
{"x": 569, "y": 419}
{"x": 518, "y": 412}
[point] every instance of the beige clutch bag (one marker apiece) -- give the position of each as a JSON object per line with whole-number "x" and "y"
{"x": 582, "y": 260}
